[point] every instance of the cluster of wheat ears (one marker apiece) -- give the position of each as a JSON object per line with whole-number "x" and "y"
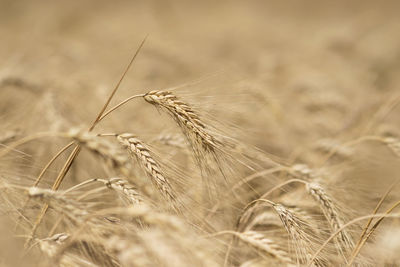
{"x": 148, "y": 211}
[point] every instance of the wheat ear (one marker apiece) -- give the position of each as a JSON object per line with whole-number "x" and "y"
{"x": 190, "y": 123}
{"x": 59, "y": 202}
{"x": 138, "y": 150}
{"x": 331, "y": 214}
{"x": 124, "y": 187}
{"x": 296, "y": 230}
{"x": 50, "y": 245}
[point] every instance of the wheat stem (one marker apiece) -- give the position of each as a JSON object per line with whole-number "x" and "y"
{"x": 358, "y": 248}
{"x": 119, "y": 105}
{"x": 347, "y": 225}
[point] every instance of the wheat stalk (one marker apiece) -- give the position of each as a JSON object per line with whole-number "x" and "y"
{"x": 59, "y": 201}
{"x": 124, "y": 187}
{"x": 51, "y": 244}
{"x": 138, "y": 150}
{"x": 259, "y": 241}
{"x": 296, "y": 230}
{"x": 114, "y": 157}
{"x": 174, "y": 140}
{"x": 301, "y": 171}
{"x": 67, "y": 251}
{"x": 190, "y": 123}
{"x": 331, "y": 214}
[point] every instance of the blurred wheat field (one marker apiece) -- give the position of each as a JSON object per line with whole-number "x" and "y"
{"x": 258, "y": 133}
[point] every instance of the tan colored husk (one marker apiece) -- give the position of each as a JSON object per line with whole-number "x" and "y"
{"x": 138, "y": 150}
{"x": 189, "y": 121}
{"x": 174, "y": 140}
{"x": 259, "y": 241}
{"x": 50, "y": 245}
{"x": 126, "y": 189}
{"x": 66, "y": 252}
{"x": 331, "y": 214}
{"x": 296, "y": 229}
{"x": 114, "y": 157}
{"x": 58, "y": 201}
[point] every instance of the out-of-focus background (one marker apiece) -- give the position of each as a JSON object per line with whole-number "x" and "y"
{"x": 264, "y": 62}
{"x": 285, "y": 76}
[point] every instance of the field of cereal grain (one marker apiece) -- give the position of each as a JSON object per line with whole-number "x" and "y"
{"x": 199, "y": 133}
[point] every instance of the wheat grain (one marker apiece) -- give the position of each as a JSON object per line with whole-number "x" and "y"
{"x": 331, "y": 214}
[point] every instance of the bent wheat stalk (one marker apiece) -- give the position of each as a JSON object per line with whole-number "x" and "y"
{"x": 77, "y": 148}
{"x": 344, "y": 240}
